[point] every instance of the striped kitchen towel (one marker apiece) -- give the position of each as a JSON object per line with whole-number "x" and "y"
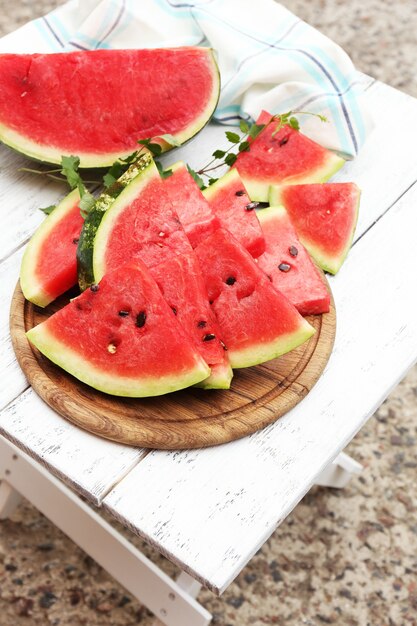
{"x": 268, "y": 58}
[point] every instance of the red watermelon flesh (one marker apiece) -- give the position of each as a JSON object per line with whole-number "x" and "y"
{"x": 287, "y": 156}
{"x": 140, "y": 224}
{"x": 182, "y": 285}
{"x": 49, "y": 265}
{"x": 289, "y": 265}
{"x": 197, "y": 218}
{"x": 324, "y": 217}
{"x": 121, "y": 337}
{"x": 257, "y": 322}
{"x": 229, "y": 201}
{"x": 97, "y": 104}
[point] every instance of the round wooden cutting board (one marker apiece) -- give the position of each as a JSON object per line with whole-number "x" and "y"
{"x": 192, "y": 418}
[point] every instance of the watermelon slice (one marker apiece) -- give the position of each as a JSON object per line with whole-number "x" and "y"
{"x": 97, "y": 104}
{"x": 324, "y": 217}
{"x": 257, "y": 322}
{"x": 182, "y": 285}
{"x": 140, "y": 224}
{"x": 49, "y": 265}
{"x": 289, "y": 266}
{"x": 197, "y": 219}
{"x": 93, "y": 220}
{"x": 287, "y": 157}
{"x": 122, "y": 338}
{"x": 229, "y": 201}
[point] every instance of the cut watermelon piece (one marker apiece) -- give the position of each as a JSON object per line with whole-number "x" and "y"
{"x": 182, "y": 285}
{"x": 324, "y": 217}
{"x": 197, "y": 219}
{"x": 49, "y": 264}
{"x": 122, "y": 338}
{"x": 257, "y": 322}
{"x": 287, "y": 157}
{"x": 229, "y": 201}
{"x": 97, "y": 104}
{"x": 95, "y": 215}
{"x": 140, "y": 224}
{"x": 289, "y": 265}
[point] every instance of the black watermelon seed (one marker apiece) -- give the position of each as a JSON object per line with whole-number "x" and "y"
{"x": 284, "y": 267}
{"x": 223, "y": 346}
{"x": 202, "y": 324}
{"x": 269, "y": 277}
{"x": 293, "y": 250}
{"x": 123, "y": 313}
{"x": 251, "y": 206}
{"x": 140, "y": 319}
{"x": 174, "y": 310}
{"x": 211, "y": 301}
{"x": 240, "y": 192}
{"x": 231, "y": 280}
{"x": 75, "y": 240}
{"x": 94, "y": 287}
{"x": 209, "y": 337}
{"x": 283, "y": 141}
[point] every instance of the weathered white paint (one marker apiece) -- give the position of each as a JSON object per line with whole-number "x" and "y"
{"x": 89, "y": 464}
{"x": 150, "y": 585}
{"x": 210, "y": 510}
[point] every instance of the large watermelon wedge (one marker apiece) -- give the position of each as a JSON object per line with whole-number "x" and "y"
{"x": 140, "y": 224}
{"x": 49, "y": 265}
{"x": 324, "y": 217}
{"x": 230, "y": 202}
{"x": 286, "y": 156}
{"x": 121, "y": 337}
{"x": 182, "y": 285}
{"x": 97, "y": 104}
{"x": 289, "y": 265}
{"x": 257, "y": 322}
{"x": 197, "y": 218}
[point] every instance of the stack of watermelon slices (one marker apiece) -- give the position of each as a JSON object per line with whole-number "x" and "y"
{"x": 182, "y": 287}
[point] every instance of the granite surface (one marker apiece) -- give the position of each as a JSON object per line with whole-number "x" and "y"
{"x": 347, "y": 557}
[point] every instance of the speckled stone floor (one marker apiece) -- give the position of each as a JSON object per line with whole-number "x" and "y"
{"x": 347, "y": 557}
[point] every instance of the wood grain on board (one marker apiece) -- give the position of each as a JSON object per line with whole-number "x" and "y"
{"x": 192, "y": 418}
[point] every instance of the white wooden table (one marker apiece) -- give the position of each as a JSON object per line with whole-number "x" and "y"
{"x": 210, "y": 510}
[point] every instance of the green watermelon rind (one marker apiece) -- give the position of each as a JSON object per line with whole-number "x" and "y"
{"x": 255, "y": 355}
{"x": 124, "y": 200}
{"x": 50, "y": 154}
{"x": 63, "y": 356}
{"x": 31, "y": 285}
{"x": 220, "y": 377}
{"x": 325, "y": 261}
{"x": 227, "y": 179}
{"x": 260, "y": 190}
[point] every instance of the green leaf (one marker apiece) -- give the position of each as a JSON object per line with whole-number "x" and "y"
{"x": 255, "y": 129}
{"x": 244, "y": 126}
{"x": 163, "y": 173}
{"x": 244, "y": 146}
{"x": 230, "y": 159}
{"x": 196, "y": 177}
{"x": 155, "y": 148}
{"x": 48, "y": 209}
{"x": 293, "y": 122}
{"x": 172, "y": 141}
{"x": 86, "y": 203}
{"x": 69, "y": 169}
{"x": 130, "y": 159}
{"x": 108, "y": 180}
{"x": 212, "y": 181}
{"x": 219, "y": 154}
{"x": 232, "y": 137}
{"x": 113, "y": 173}
{"x": 145, "y": 142}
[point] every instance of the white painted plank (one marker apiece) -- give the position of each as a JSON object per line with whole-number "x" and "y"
{"x": 210, "y": 510}
{"x": 89, "y": 464}
{"x": 21, "y": 195}
{"x": 12, "y": 379}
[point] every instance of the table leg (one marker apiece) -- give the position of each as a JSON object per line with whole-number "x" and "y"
{"x": 339, "y": 472}
{"x": 9, "y": 500}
